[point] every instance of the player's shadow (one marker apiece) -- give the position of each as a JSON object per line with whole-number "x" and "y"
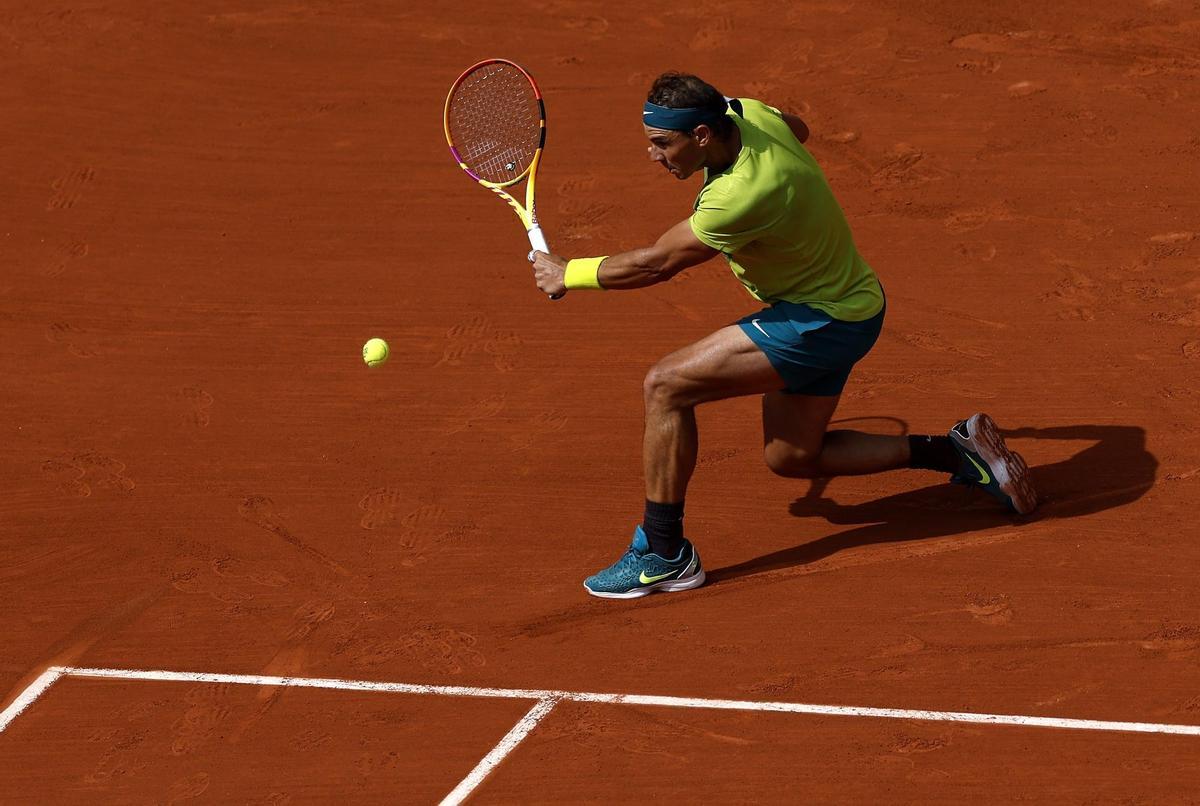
{"x": 1114, "y": 470}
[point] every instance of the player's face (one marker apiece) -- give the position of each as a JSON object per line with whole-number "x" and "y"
{"x": 678, "y": 152}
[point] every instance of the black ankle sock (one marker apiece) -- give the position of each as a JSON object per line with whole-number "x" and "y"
{"x": 933, "y": 453}
{"x": 663, "y": 525}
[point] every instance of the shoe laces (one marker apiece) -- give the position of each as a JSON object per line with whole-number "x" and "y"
{"x": 630, "y": 557}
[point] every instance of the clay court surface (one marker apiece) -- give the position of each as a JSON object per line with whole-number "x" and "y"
{"x": 207, "y": 209}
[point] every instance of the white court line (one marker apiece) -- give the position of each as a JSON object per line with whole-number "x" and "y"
{"x": 511, "y": 739}
{"x": 546, "y": 700}
{"x": 34, "y": 690}
{"x": 641, "y": 699}
{"x": 311, "y": 682}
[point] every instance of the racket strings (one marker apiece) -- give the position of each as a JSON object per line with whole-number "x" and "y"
{"x": 495, "y": 122}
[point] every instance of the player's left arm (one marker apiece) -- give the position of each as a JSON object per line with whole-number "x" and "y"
{"x": 676, "y": 250}
{"x": 798, "y": 126}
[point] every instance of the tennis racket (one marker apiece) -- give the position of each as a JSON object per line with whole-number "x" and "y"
{"x": 496, "y": 127}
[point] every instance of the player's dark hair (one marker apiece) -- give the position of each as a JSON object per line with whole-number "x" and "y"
{"x": 686, "y": 91}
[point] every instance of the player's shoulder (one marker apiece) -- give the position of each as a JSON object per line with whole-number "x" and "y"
{"x": 761, "y": 123}
{"x": 753, "y": 108}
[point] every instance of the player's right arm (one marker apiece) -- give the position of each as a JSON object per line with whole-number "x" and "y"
{"x": 677, "y": 249}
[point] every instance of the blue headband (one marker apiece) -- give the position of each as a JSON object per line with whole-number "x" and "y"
{"x": 684, "y": 120}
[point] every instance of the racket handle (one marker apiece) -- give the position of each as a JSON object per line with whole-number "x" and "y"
{"x": 537, "y": 240}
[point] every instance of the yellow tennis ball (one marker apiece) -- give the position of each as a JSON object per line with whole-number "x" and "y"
{"x": 375, "y": 352}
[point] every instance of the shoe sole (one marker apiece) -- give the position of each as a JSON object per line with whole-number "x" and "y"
{"x": 669, "y": 586}
{"x": 1008, "y": 468}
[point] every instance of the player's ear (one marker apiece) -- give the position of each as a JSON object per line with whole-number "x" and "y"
{"x": 703, "y": 134}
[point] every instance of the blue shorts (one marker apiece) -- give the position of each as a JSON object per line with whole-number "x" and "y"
{"x": 811, "y": 351}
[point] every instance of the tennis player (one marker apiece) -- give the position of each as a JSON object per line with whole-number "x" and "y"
{"x": 766, "y": 207}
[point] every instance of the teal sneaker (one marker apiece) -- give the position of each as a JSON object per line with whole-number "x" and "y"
{"x": 988, "y": 463}
{"x": 640, "y": 572}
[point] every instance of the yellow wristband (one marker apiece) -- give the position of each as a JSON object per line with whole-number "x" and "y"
{"x": 584, "y": 272}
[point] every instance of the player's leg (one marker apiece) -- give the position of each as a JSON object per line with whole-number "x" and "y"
{"x": 814, "y": 353}
{"x": 723, "y": 365}
{"x": 816, "y": 367}
{"x": 797, "y": 444}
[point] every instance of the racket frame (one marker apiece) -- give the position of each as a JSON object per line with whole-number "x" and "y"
{"x": 527, "y": 213}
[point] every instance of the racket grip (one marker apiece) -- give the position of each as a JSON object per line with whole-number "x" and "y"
{"x": 537, "y": 240}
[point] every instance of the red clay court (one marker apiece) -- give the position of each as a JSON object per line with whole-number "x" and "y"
{"x": 239, "y": 566}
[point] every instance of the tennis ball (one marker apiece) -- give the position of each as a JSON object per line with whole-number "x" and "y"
{"x": 375, "y": 352}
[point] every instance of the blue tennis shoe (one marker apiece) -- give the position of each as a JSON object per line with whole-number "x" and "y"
{"x": 640, "y": 572}
{"x": 987, "y": 463}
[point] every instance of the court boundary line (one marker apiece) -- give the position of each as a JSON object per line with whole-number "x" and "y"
{"x": 546, "y": 700}
{"x": 27, "y": 697}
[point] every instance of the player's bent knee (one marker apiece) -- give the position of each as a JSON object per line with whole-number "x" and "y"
{"x": 661, "y": 387}
{"x": 792, "y": 463}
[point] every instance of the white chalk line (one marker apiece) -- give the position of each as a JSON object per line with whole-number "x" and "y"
{"x": 640, "y": 699}
{"x": 546, "y": 700}
{"x": 511, "y": 739}
{"x": 25, "y": 699}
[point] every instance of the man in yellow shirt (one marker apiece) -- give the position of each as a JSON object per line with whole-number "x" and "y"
{"x": 766, "y": 207}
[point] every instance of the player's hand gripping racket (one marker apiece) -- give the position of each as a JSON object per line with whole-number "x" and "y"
{"x": 496, "y": 128}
